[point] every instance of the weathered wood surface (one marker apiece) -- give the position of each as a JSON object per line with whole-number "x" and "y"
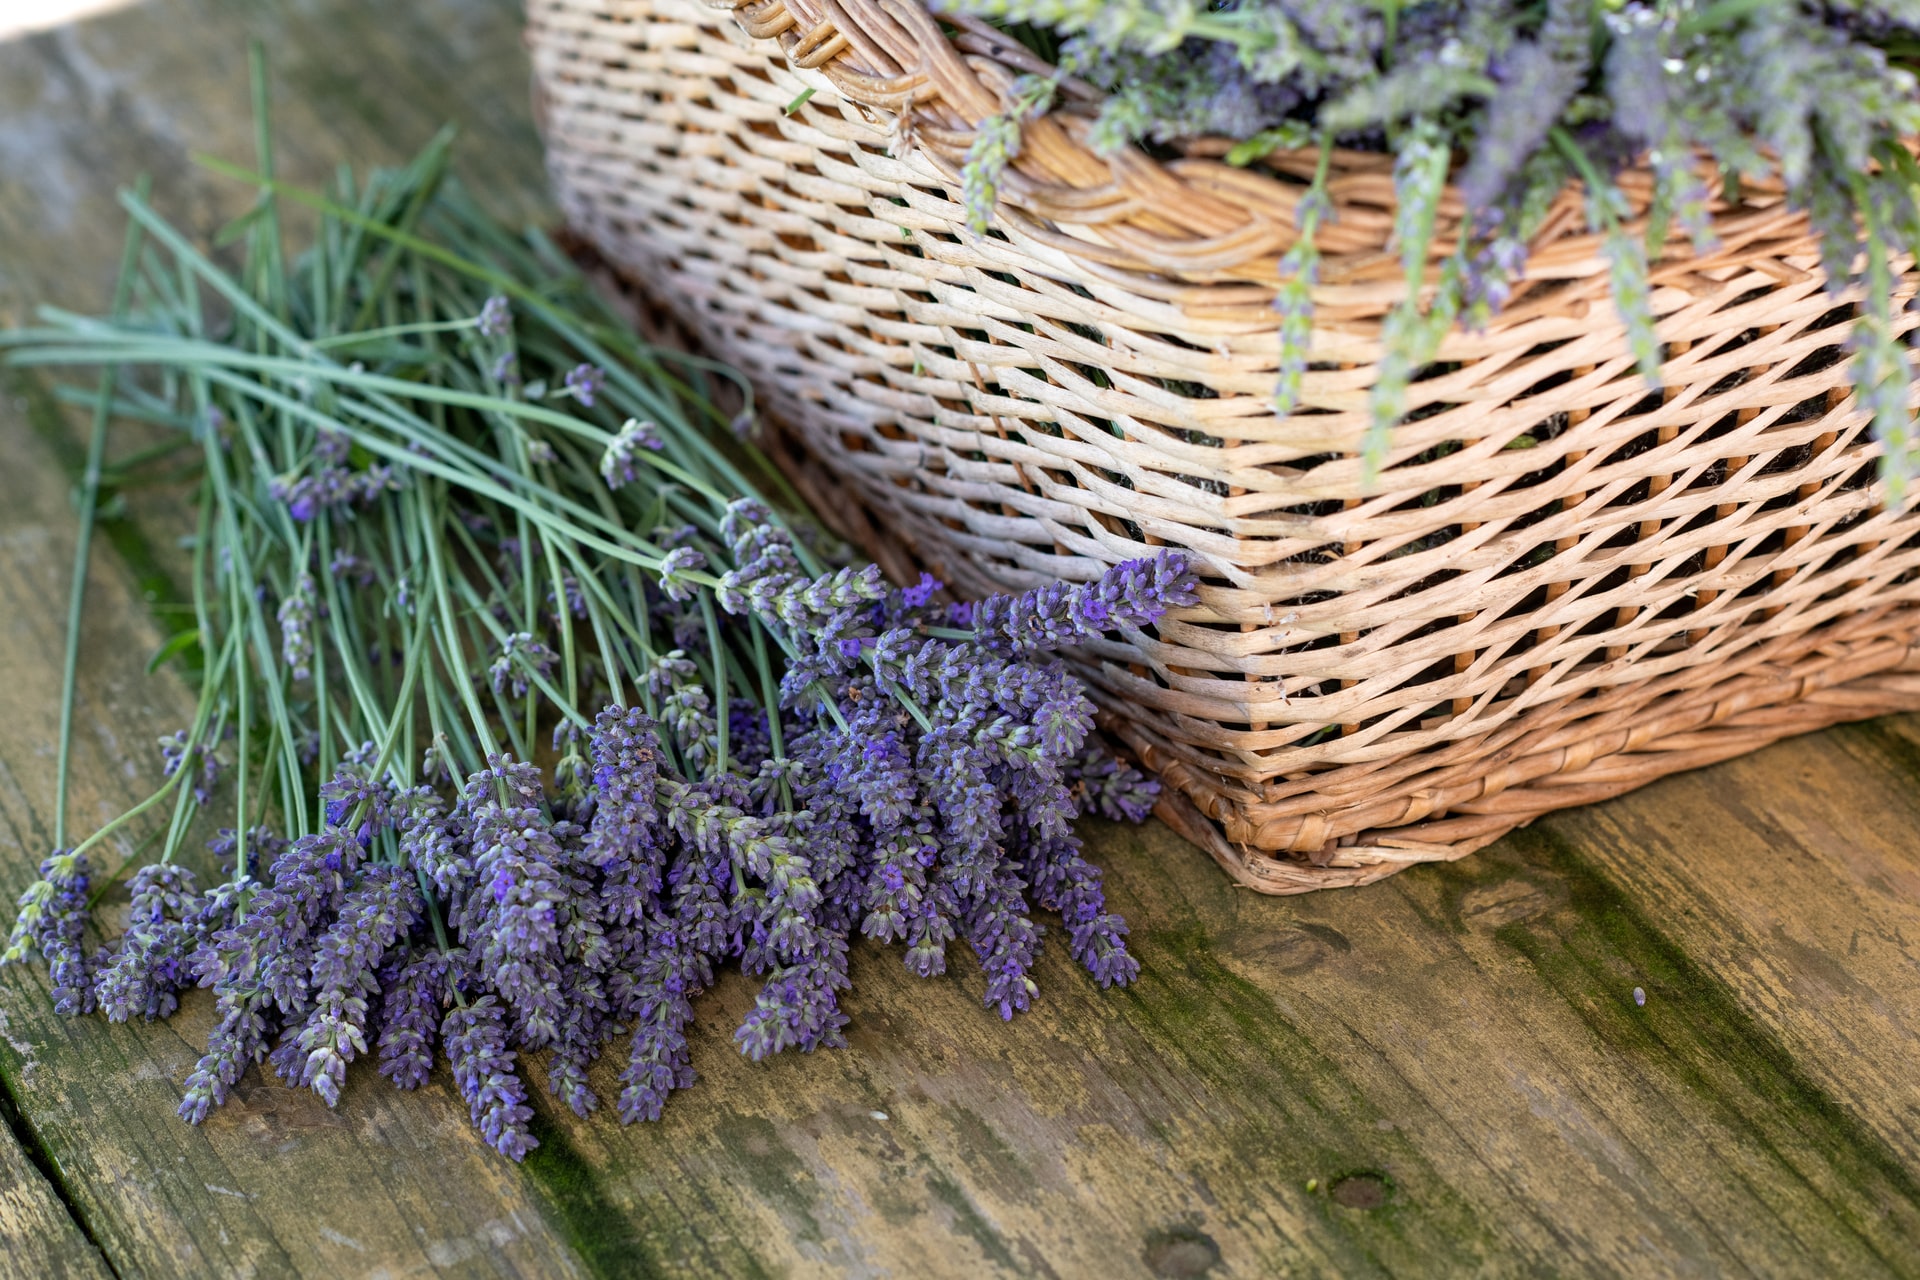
{"x": 1447, "y": 1073}
{"x": 38, "y": 1237}
{"x": 276, "y": 1184}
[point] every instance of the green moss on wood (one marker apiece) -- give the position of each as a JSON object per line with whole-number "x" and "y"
{"x": 578, "y": 1209}
{"x": 971, "y": 1224}
{"x": 1694, "y": 1037}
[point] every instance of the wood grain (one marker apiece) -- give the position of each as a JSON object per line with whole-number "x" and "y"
{"x": 274, "y": 1184}
{"x": 1444, "y": 1074}
{"x": 1794, "y": 877}
{"x": 92, "y": 106}
{"x": 38, "y": 1236}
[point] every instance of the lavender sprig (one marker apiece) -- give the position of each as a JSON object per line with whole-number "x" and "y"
{"x": 52, "y": 921}
{"x": 759, "y": 751}
{"x": 410, "y": 1016}
{"x": 617, "y": 464}
{"x": 483, "y": 1070}
{"x": 1136, "y": 593}
{"x": 374, "y": 915}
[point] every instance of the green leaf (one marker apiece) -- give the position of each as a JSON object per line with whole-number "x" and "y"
{"x": 1632, "y": 298}
{"x": 173, "y": 648}
{"x": 1293, "y": 135}
{"x": 1419, "y": 181}
{"x": 236, "y": 230}
{"x": 1724, "y": 13}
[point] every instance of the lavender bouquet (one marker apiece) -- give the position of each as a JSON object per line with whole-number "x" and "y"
{"x": 526, "y": 709}
{"x": 1512, "y": 100}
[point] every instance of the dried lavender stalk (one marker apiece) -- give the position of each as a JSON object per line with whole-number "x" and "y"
{"x": 452, "y": 515}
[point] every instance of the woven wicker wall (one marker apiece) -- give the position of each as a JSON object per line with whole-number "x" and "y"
{"x": 1562, "y": 586}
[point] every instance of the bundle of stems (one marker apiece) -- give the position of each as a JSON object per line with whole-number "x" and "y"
{"x": 528, "y": 708}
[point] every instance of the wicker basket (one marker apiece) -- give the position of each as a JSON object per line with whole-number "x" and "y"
{"x": 1561, "y": 587}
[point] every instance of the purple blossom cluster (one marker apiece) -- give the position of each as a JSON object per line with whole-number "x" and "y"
{"x": 52, "y": 920}
{"x": 618, "y": 462}
{"x": 496, "y": 317}
{"x": 330, "y": 485}
{"x": 521, "y": 661}
{"x": 1104, "y": 784}
{"x": 909, "y": 788}
{"x": 584, "y": 381}
{"x": 177, "y": 752}
{"x": 1132, "y": 594}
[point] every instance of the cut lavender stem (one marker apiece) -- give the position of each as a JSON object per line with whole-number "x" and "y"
{"x": 759, "y": 753}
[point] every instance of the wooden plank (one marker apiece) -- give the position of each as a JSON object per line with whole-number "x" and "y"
{"x": 90, "y": 107}
{"x": 275, "y": 1183}
{"x": 1446, "y": 1073}
{"x": 1794, "y": 878}
{"x": 38, "y": 1236}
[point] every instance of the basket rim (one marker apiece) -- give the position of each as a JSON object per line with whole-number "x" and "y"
{"x": 935, "y": 77}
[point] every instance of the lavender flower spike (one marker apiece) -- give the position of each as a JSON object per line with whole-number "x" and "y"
{"x": 410, "y": 1020}
{"x": 380, "y": 909}
{"x": 680, "y": 562}
{"x": 1135, "y": 593}
{"x": 239, "y": 1040}
{"x": 53, "y": 916}
{"x": 476, "y": 1039}
{"x": 176, "y": 753}
{"x": 1109, "y": 786}
{"x": 617, "y": 463}
{"x": 296, "y": 627}
{"x": 149, "y": 964}
{"x": 672, "y": 972}
{"x": 521, "y": 660}
{"x": 45, "y": 902}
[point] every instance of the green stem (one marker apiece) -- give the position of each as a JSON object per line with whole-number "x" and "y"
{"x": 83, "y": 543}
{"x": 720, "y": 680}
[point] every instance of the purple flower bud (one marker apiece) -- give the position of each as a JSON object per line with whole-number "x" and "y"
{"x": 584, "y": 382}
{"x": 496, "y": 317}
{"x": 522, "y": 660}
{"x": 1109, "y": 786}
{"x": 617, "y": 463}
{"x": 917, "y": 595}
{"x": 176, "y": 751}
{"x": 680, "y": 562}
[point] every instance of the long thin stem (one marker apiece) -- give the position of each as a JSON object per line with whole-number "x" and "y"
{"x": 83, "y": 542}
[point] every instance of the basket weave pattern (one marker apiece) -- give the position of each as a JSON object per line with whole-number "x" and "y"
{"x": 1562, "y": 586}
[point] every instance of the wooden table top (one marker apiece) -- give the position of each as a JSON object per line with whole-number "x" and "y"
{"x": 1446, "y": 1073}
